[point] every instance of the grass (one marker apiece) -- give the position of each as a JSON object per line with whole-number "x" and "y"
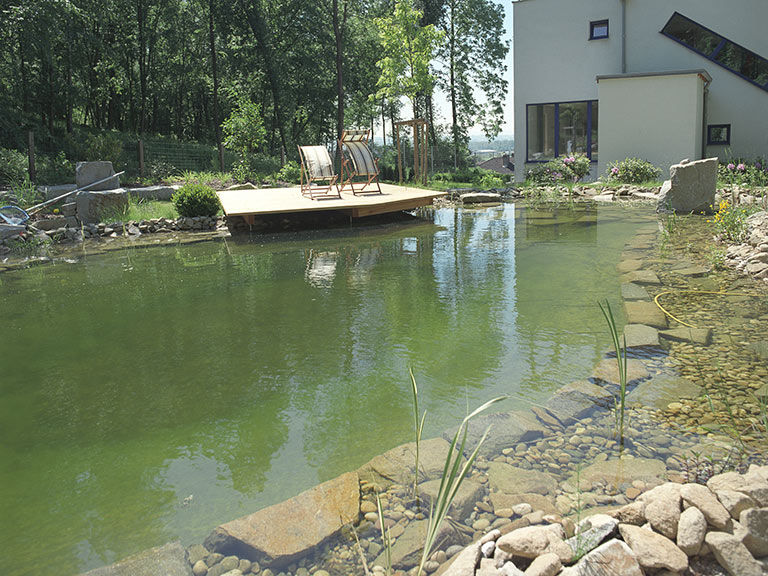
{"x": 621, "y": 360}
{"x": 140, "y": 209}
{"x": 217, "y": 180}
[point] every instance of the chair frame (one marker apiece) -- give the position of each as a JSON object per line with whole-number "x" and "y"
{"x": 348, "y": 172}
{"x": 316, "y": 192}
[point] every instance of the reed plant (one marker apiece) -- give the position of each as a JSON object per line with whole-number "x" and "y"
{"x": 418, "y": 427}
{"x": 621, "y": 360}
{"x": 385, "y": 539}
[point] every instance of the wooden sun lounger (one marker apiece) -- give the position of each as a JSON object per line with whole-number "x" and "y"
{"x": 359, "y": 169}
{"x": 318, "y": 179}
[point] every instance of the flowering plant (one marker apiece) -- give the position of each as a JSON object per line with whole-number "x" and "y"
{"x": 632, "y": 171}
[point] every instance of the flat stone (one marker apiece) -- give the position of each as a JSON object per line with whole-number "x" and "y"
{"x": 607, "y": 370}
{"x": 691, "y": 530}
{"x": 661, "y": 390}
{"x": 701, "y": 497}
{"x": 285, "y": 532}
{"x": 506, "y": 429}
{"x": 396, "y": 466}
{"x": 613, "y": 558}
{"x": 632, "y": 513}
{"x": 645, "y": 313}
{"x": 10, "y": 231}
{"x": 153, "y": 192}
{"x": 168, "y": 560}
{"x": 653, "y": 551}
{"x": 735, "y": 502}
{"x": 639, "y": 335}
{"x": 760, "y": 349}
{"x": 755, "y": 522}
{"x": 531, "y": 541}
{"x": 547, "y": 564}
{"x": 52, "y": 192}
{"x": 618, "y": 472}
{"x": 469, "y": 492}
{"x": 701, "y": 336}
{"x": 629, "y": 265}
{"x": 631, "y": 291}
{"x": 87, "y": 173}
{"x": 692, "y": 271}
{"x": 590, "y": 534}
{"x": 513, "y": 480}
{"x": 648, "y": 277}
{"x": 521, "y": 501}
{"x": 732, "y": 555}
{"x": 480, "y": 197}
{"x": 577, "y": 400}
{"x": 406, "y": 551}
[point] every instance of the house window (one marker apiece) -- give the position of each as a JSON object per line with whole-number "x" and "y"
{"x": 598, "y": 29}
{"x": 737, "y": 59}
{"x": 718, "y": 134}
{"x": 561, "y": 128}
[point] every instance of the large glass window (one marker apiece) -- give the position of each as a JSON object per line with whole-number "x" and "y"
{"x": 562, "y": 128}
{"x": 726, "y": 53}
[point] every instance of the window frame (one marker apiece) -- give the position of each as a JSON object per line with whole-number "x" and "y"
{"x": 590, "y": 118}
{"x": 711, "y": 141}
{"x": 712, "y": 56}
{"x": 598, "y": 23}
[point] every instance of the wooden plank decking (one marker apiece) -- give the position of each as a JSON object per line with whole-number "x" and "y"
{"x": 252, "y": 203}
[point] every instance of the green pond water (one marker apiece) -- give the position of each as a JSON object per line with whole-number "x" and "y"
{"x": 150, "y": 394}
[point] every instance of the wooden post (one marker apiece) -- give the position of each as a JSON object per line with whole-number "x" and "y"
{"x": 399, "y": 158}
{"x": 221, "y": 156}
{"x": 141, "y": 158}
{"x": 424, "y": 149}
{"x": 31, "y": 155}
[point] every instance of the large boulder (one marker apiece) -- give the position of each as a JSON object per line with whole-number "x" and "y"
{"x": 87, "y": 173}
{"x": 691, "y": 187}
{"x": 93, "y": 207}
{"x": 285, "y": 532}
{"x": 396, "y": 465}
{"x": 169, "y": 560}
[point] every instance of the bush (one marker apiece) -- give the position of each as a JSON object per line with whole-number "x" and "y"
{"x": 731, "y": 221}
{"x": 560, "y": 170}
{"x": 632, "y": 171}
{"x": 291, "y": 172}
{"x": 739, "y": 171}
{"x": 13, "y": 166}
{"x": 55, "y": 169}
{"x": 196, "y": 200}
{"x": 104, "y": 146}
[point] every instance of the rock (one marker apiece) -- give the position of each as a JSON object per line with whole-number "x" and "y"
{"x": 653, "y": 551}
{"x": 545, "y": 565}
{"x": 509, "y": 569}
{"x": 506, "y": 429}
{"x": 701, "y": 497}
{"x": 732, "y": 555}
{"x": 726, "y": 481}
{"x": 57, "y": 190}
{"x": 531, "y": 541}
{"x": 663, "y": 513}
{"x": 576, "y": 400}
{"x": 396, "y": 465}
{"x": 633, "y": 513}
{"x": 196, "y": 552}
{"x": 10, "y": 231}
{"x": 613, "y": 558}
{"x": 629, "y": 265}
{"x": 513, "y": 480}
{"x": 691, "y": 188}
{"x": 168, "y": 560}
{"x": 199, "y": 568}
{"x": 93, "y": 206}
{"x": 758, "y": 491}
{"x": 661, "y": 390}
{"x": 87, "y": 173}
{"x": 480, "y": 197}
{"x": 51, "y": 223}
{"x": 647, "y": 313}
{"x": 406, "y": 552}
{"x": 285, "y": 532}
{"x": 488, "y": 549}
{"x": 153, "y": 192}
{"x": 630, "y": 291}
{"x": 590, "y": 534}
{"x": 469, "y": 492}
{"x": 755, "y": 522}
{"x": 691, "y": 530}
{"x": 607, "y": 370}
{"x": 213, "y": 558}
{"x": 735, "y": 502}
{"x": 641, "y": 277}
{"x": 639, "y": 335}
{"x": 617, "y": 472}
{"x": 701, "y": 336}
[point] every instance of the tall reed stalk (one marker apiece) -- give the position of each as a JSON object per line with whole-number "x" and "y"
{"x": 418, "y": 428}
{"x": 621, "y": 360}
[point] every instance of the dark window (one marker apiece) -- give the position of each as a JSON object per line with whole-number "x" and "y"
{"x": 745, "y": 63}
{"x": 598, "y": 29}
{"x": 561, "y": 128}
{"x": 718, "y": 134}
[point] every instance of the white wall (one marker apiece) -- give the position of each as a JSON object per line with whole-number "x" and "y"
{"x": 555, "y": 62}
{"x": 663, "y": 115}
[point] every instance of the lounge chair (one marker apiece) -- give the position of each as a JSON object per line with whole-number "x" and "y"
{"x": 359, "y": 169}
{"x": 316, "y": 166}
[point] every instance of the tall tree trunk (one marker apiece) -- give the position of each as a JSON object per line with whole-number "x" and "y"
{"x": 140, "y": 20}
{"x": 69, "y": 74}
{"x": 338, "y": 34}
{"x": 23, "y": 74}
{"x": 215, "y": 74}
{"x": 383, "y": 123}
{"x": 452, "y": 69}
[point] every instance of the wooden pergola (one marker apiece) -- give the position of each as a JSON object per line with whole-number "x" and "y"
{"x": 420, "y": 146}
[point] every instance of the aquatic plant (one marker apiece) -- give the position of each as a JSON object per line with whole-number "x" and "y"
{"x": 621, "y": 360}
{"x": 385, "y": 538}
{"x": 418, "y": 428}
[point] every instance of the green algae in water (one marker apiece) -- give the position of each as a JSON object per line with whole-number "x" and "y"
{"x": 241, "y": 373}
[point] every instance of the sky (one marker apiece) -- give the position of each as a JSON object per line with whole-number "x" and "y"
{"x": 443, "y": 107}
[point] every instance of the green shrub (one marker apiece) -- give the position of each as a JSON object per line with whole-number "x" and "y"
{"x": 731, "y": 221}
{"x": 196, "y": 200}
{"x": 55, "y": 169}
{"x": 743, "y": 172}
{"x": 491, "y": 180}
{"x": 104, "y": 146}
{"x": 291, "y": 172}
{"x": 560, "y": 170}
{"x": 13, "y": 166}
{"x": 631, "y": 171}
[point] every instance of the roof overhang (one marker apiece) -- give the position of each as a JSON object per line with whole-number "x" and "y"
{"x": 700, "y": 72}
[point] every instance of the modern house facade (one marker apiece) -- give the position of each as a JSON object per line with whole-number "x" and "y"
{"x": 661, "y": 80}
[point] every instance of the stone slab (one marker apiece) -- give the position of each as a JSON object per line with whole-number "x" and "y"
{"x": 648, "y": 277}
{"x": 645, "y": 313}
{"x": 701, "y": 336}
{"x": 52, "y": 192}
{"x": 513, "y": 480}
{"x": 285, "y": 532}
{"x": 167, "y": 560}
{"x": 153, "y": 192}
{"x": 640, "y": 335}
{"x": 613, "y": 558}
{"x": 618, "y": 472}
{"x": 10, "y": 231}
{"x": 607, "y": 370}
{"x": 469, "y": 492}
{"x": 506, "y": 429}
{"x": 661, "y": 390}
{"x": 395, "y": 466}
{"x": 577, "y": 400}
{"x": 632, "y": 291}
{"x": 89, "y": 172}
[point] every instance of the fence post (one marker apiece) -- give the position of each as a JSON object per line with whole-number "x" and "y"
{"x": 31, "y": 155}
{"x": 141, "y": 159}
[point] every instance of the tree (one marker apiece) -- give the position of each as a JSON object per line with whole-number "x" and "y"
{"x": 244, "y": 132}
{"x": 474, "y": 54}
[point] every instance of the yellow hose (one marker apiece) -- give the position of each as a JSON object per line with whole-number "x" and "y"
{"x": 722, "y": 293}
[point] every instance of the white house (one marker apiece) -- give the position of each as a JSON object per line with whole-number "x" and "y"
{"x": 661, "y": 80}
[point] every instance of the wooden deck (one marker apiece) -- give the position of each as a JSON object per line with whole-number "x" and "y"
{"x": 252, "y": 203}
